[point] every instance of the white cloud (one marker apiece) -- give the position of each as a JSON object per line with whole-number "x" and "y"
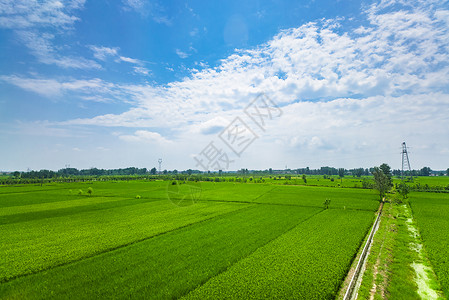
{"x": 181, "y": 54}
{"x": 41, "y": 46}
{"x": 154, "y": 10}
{"x": 23, "y": 14}
{"x": 130, "y": 60}
{"x": 102, "y": 53}
{"x": 141, "y": 71}
{"x": 145, "y": 136}
{"x": 52, "y": 87}
{"x": 38, "y": 23}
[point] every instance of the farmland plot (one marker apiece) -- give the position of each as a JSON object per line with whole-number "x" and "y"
{"x": 308, "y": 262}
{"x": 58, "y": 244}
{"x": 431, "y": 212}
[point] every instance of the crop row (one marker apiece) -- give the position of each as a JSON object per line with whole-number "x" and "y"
{"x": 308, "y": 262}
{"x": 166, "y": 266}
{"x": 30, "y": 246}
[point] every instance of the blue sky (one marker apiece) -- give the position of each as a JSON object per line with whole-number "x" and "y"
{"x": 113, "y": 84}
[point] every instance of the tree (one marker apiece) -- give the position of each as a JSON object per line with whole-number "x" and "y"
{"x": 381, "y": 182}
{"x": 387, "y": 171}
{"x": 425, "y": 171}
{"x": 304, "y": 177}
{"x": 403, "y": 190}
{"x": 153, "y": 171}
{"x": 341, "y": 173}
{"x": 90, "y": 191}
{"x": 447, "y": 172}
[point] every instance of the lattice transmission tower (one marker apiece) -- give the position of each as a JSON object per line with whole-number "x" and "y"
{"x": 405, "y": 162}
{"x": 160, "y": 164}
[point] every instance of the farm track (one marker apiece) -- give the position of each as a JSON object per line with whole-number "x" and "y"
{"x": 120, "y": 246}
{"x": 351, "y": 291}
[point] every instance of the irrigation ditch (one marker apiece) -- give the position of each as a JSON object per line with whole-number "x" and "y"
{"x": 351, "y": 291}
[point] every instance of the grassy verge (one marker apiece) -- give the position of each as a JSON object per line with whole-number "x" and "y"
{"x": 391, "y": 267}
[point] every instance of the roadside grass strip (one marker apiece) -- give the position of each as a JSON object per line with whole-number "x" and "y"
{"x": 31, "y": 246}
{"x": 170, "y": 265}
{"x": 308, "y": 262}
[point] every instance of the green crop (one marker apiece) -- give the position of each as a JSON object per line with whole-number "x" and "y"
{"x": 431, "y": 212}
{"x": 308, "y": 262}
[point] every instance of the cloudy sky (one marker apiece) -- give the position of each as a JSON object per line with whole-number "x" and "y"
{"x": 112, "y": 84}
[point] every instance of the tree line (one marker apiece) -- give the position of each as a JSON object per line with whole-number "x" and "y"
{"x": 69, "y": 172}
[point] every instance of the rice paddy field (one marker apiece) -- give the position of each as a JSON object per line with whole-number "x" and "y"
{"x": 161, "y": 240}
{"x": 431, "y": 211}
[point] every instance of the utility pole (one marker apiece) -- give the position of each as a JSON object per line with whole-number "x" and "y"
{"x": 405, "y": 161}
{"x": 160, "y": 165}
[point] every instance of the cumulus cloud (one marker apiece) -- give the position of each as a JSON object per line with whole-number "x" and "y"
{"x": 398, "y": 52}
{"x": 145, "y": 136}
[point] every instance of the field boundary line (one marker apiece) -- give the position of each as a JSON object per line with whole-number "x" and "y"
{"x": 284, "y": 204}
{"x": 363, "y": 256}
{"x": 6, "y": 280}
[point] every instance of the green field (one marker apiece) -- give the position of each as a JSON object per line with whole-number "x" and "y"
{"x": 431, "y": 211}
{"x": 237, "y": 240}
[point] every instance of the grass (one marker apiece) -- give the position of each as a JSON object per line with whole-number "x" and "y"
{"x": 389, "y": 269}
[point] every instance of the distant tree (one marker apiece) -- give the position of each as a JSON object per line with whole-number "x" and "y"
{"x": 425, "y": 171}
{"x": 304, "y": 177}
{"x": 358, "y": 172}
{"x": 189, "y": 171}
{"x": 381, "y": 182}
{"x": 220, "y": 172}
{"x": 341, "y": 173}
{"x": 175, "y": 171}
{"x": 153, "y": 171}
{"x": 90, "y": 191}
{"x": 447, "y": 172}
{"x": 270, "y": 171}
